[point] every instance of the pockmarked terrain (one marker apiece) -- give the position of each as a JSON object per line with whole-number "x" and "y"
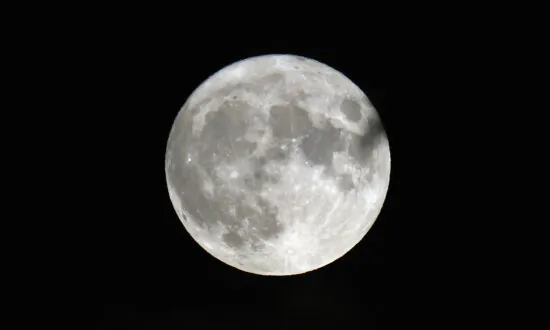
{"x": 277, "y": 165}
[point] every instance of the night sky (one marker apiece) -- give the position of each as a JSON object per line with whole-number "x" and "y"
{"x": 139, "y": 267}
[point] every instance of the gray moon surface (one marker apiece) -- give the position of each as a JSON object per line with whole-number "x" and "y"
{"x": 277, "y": 165}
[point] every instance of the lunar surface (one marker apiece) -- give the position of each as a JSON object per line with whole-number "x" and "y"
{"x": 277, "y": 165}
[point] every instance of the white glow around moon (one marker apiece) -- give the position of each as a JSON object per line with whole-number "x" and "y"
{"x": 277, "y": 165}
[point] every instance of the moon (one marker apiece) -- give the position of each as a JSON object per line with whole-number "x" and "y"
{"x": 277, "y": 165}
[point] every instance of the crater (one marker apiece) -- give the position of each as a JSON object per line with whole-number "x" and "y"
{"x": 233, "y": 240}
{"x": 181, "y": 135}
{"x": 256, "y": 244}
{"x": 362, "y": 146}
{"x": 345, "y": 183}
{"x": 258, "y": 175}
{"x": 268, "y": 226}
{"x": 288, "y": 122}
{"x": 277, "y": 154}
{"x": 245, "y": 211}
{"x": 222, "y": 137}
{"x": 261, "y": 220}
{"x": 221, "y": 141}
{"x": 262, "y": 176}
{"x": 270, "y": 81}
{"x": 351, "y": 109}
{"x": 193, "y": 199}
{"x": 320, "y": 144}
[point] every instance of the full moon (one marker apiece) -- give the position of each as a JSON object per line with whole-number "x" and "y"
{"x": 277, "y": 165}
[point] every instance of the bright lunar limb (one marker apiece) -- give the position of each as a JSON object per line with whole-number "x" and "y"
{"x": 277, "y": 165}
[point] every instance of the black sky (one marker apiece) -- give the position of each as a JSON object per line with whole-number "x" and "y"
{"x": 139, "y": 268}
